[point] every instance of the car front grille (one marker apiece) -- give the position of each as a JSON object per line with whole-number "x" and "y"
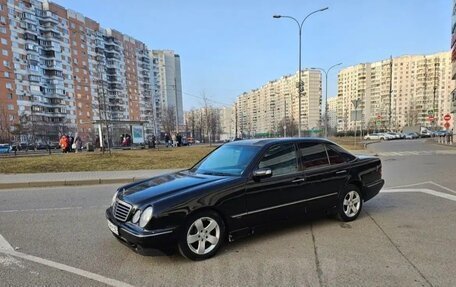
{"x": 121, "y": 210}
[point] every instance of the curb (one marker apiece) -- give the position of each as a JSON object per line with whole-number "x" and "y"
{"x": 81, "y": 182}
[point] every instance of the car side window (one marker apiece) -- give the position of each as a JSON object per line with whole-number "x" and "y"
{"x": 281, "y": 159}
{"x": 342, "y": 152}
{"x": 313, "y": 155}
{"x": 334, "y": 157}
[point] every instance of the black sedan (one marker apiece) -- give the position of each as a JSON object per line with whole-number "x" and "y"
{"x": 238, "y": 187}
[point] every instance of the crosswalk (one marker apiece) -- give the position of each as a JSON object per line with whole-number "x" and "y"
{"x": 423, "y": 152}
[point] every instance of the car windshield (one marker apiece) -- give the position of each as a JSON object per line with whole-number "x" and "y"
{"x": 228, "y": 160}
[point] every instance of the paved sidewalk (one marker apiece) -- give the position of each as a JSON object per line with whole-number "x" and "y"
{"x": 75, "y": 178}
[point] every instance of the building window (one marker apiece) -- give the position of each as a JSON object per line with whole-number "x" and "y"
{"x": 4, "y": 41}
{"x": 9, "y": 86}
{"x": 4, "y": 52}
{"x": 10, "y": 107}
{"x": 6, "y": 74}
{"x": 3, "y": 30}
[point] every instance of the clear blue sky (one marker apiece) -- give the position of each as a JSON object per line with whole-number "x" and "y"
{"x": 232, "y": 46}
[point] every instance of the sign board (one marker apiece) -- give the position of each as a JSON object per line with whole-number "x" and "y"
{"x": 447, "y": 125}
{"x": 356, "y": 115}
{"x": 379, "y": 117}
{"x": 431, "y": 118}
{"x": 430, "y": 112}
{"x": 378, "y": 123}
{"x": 137, "y": 132}
{"x": 447, "y": 117}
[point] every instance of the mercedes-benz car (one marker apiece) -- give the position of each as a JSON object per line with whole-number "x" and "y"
{"x": 239, "y": 187}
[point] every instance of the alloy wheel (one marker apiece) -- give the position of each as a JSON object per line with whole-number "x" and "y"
{"x": 203, "y": 235}
{"x": 352, "y": 203}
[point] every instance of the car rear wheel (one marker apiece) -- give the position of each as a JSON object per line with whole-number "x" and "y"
{"x": 350, "y": 204}
{"x": 201, "y": 236}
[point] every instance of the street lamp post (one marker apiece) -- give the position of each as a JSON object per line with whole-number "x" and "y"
{"x": 326, "y": 93}
{"x": 300, "y": 88}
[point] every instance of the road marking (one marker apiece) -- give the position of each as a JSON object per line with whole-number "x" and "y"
{"x": 443, "y": 187}
{"x": 409, "y": 185}
{"x": 423, "y": 183}
{"x": 423, "y": 190}
{"x": 4, "y": 245}
{"x": 7, "y": 249}
{"x": 422, "y": 152}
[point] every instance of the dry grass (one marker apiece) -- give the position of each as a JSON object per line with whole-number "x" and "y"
{"x": 170, "y": 158}
{"x": 348, "y": 142}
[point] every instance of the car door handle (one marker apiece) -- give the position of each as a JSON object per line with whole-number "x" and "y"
{"x": 341, "y": 172}
{"x": 298, "y": 180}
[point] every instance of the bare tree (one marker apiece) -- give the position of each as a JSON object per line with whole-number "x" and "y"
{"x": 168, "y": 119}
{"x": 290, "y": 125}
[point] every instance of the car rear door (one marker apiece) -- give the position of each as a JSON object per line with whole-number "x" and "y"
{"x": 325, "y": 173}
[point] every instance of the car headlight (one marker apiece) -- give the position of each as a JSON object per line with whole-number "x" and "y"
{"x": 114, "y": 198}
{"x": 145, "y": 216}
{"x": 136, "y": 217}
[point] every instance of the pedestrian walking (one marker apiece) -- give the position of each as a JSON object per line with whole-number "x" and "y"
{"x": 63, "y": 143}
{"x": 167, "y": 139}
{"x": 78, "y": 144}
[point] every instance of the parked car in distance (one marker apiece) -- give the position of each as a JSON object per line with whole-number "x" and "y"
{"x": 440, "y": 133}
{"x": 393, "y": 135}
{"x": 378, "y": 136}
{"x": 5, "y": 148}
{"x": 238, "y": 187}
{"x": 411, "y": 136}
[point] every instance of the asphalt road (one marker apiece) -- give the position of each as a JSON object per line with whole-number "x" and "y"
{"x": 404, "y": 237}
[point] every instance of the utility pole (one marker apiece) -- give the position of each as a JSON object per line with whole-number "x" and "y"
{"x": 435, "y": 94}
{"x": 285, "y": 119}
{"x": 235, "y": 121}
{"x": 177, "y": 109}
{"x": 355, "y": 105}
{"x": 104, "y": 112}
{"x": 390, "y": 91}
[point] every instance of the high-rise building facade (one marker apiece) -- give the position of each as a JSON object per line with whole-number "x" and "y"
{"x": 453, "y": 56}
{"x": 61, "y": 72}
{"x": 332, "y": 113}
{"x": 397, "y": 92}
{"x": 167, "y": 82}
{"x": 265, "y": 111}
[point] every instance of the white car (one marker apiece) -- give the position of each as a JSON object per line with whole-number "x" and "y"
{"x": 378, "y": 136}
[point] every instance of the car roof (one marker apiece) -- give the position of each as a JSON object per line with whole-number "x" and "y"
{"x": 270, "y": 141}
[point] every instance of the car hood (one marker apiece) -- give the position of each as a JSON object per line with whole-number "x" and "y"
{"x": 162, "y": 186}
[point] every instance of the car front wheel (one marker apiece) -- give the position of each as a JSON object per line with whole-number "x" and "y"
{"x": 350, "y": 204}
{"x": 201, "y": 236}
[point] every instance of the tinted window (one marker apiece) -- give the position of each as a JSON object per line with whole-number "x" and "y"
{"x": 345, "y": 154}
{"x": 313, "y": 155}
{"x": 281, "y": 159}
{"x": 335, "y": 157}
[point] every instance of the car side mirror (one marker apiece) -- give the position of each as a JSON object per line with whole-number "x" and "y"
{"x": 262, "y": 173}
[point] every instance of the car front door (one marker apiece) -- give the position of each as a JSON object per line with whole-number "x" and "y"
{"x": 270, "y": 199}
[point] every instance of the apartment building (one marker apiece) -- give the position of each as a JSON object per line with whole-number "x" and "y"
{"x": 393, "y": 93}
{"x": 167, "y": 84}
{"x": 265, "y": 111}
{"x": 453, "y": 56}
{"x": 332, "y": 113}
{"x": 61, "y": 72}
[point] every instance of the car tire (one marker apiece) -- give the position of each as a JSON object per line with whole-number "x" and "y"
{"x": 201, "y": 236}
{"x": 350, "y": 203}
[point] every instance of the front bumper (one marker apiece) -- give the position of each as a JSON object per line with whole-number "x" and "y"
{"x": 373, "y": 189}
{"x": 136, "y": 236}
